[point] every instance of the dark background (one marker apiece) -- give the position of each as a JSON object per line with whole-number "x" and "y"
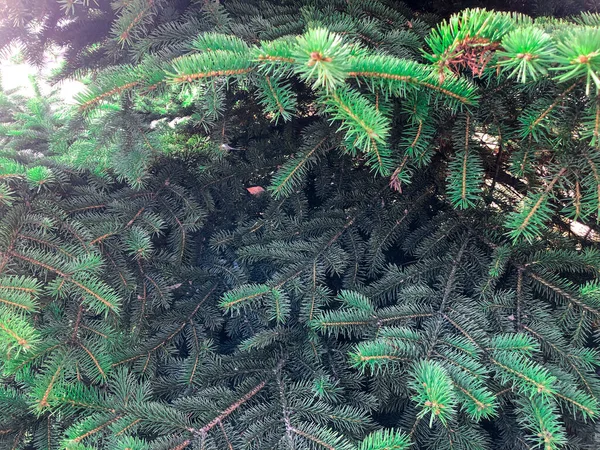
{"x": 530, "y": 7}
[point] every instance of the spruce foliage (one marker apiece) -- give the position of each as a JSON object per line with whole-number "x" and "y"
{"x": 483, "y": 89}
{"x": 304, "y": 225}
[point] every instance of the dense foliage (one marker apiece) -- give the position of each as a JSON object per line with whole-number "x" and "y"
{"x": 301, "y": 225}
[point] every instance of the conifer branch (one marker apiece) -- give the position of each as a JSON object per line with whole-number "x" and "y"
{"x": 43, "y": 403}
{"x": 96, "y": 430}
{"x": 233, "y": 407}
{"x": 548, "y": 284}
{"x": 550, "y": 108}
{"x": 526, "y": 222}
{"x": 171, "y": 335}
{"x": 96, "y": 291}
